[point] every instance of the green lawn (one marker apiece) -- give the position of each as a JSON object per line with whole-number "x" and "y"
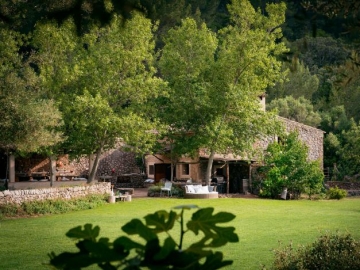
{"x": 260, "y": 224}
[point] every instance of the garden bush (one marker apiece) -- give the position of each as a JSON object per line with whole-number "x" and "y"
{"x": 329, "y": 252}
{"x": 57, "y": 206}
{"x": 154, "y": 191}
{"x": 336, "y": 193}
{"x": 287, "y": 166}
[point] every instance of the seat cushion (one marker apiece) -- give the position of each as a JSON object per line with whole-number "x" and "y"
{"x": 203, "y": 189}
{"x": 198, "y": 189}
{"x": 190, "y": 189}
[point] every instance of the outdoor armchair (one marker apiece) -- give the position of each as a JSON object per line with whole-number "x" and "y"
{"x": 167, "y": 188}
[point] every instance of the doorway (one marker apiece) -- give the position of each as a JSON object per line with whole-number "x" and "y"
{"x": 3, "y": 166}
{"x": 163, "y": 170}
{"x": 239, "y": 175}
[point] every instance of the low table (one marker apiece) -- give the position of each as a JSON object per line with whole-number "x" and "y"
{"x": 123, "y": 190}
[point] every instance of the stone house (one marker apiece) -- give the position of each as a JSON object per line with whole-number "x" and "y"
{"x": 121, "y": 168}
{"x": 233, "y": 173}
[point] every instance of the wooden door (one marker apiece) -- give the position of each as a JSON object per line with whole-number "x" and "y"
{"x": 162, "y": 170}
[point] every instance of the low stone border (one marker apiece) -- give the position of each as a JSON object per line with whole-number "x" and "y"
{"x": 352, "y": 188}
{"x": 353, "y": 193}
{"x": 21, "y": 196}
{"x": 344, "y": 185}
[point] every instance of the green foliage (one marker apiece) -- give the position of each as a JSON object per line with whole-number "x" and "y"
{"x": 336, "y": 124}
{"x": 317, "y": 52}
{"x": 341, "y": 147}
{"x": 328, "y": 252}
{"x": 10, "y": 210}
{"x": 336, "y": 193}
{"x": 346, "y": 90}
{"x": 300, "y": 110}
{"x": 29, "y": 120}
{"x": 287, "y": 166}
{"x": 220, "y": 77}
{"x": 129, "y": 254}
{"x": 335, "y": 120}
{"x": 299, "y": 82}
{"x": 350, "y": 150}
{"x": 56, "y": 206}
{"x": 103, "y": 81}
{"x": 154, "y": 190}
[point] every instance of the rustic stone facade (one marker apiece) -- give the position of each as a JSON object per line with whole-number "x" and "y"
{"x": 129, "y": 181}
{"x": 34, "y": 172}
{"x": 311, "y": 136}
{"x": 21, "y": 196}
{"x": 113, "y": 162}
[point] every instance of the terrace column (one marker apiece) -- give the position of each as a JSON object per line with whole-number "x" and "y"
{"x": 227, "y": 177}
{"x": 11, "y": 168}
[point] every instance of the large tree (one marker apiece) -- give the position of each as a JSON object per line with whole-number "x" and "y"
{"x": 350, "y": 151}
{"x": 29, "y": 121}
{"x": 104, "y": 82}
{"x": 216, "y": 82}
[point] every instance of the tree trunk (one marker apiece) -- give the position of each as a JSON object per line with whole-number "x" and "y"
{"x": 209, "y": 168}
{"x": 7, "y": 165}
{"x": 95, "y": 166}
{"x": 52, "y": 170}
{"x": 172, "y": 171}
{"x": 11, "y": 164}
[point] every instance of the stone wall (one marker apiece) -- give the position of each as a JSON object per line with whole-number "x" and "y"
{"x": 113, "y": 162}
{"x": 352, "y": 188}
{"x": 129, "y": 181}
{"x": 311, "y": 136}
{"x": 20, "y": 196}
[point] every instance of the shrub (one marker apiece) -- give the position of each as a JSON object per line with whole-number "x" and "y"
{"x": 287, "y": 166}
{"x": 154, "y": 190}
{"x": 329, "y": 252}
{"x": 336, "y": 193}
{"x": 10, "y": 210}
{"x": 57, "y": 206}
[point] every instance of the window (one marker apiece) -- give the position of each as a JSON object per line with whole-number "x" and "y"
{"x": 185, "y": 170}
{"x": 151, "y": 169}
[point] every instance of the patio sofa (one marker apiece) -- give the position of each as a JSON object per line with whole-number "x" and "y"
{"x": 200, "y": 192}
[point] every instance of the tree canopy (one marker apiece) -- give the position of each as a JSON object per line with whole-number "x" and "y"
{"x": 44, "y": 68}
{"x": 104, "y": 82}
{"x": 215, "y": 81}
{"x": 29, "y": 121}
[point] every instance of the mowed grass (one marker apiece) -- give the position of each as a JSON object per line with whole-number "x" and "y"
{"x": 260, "y": 224}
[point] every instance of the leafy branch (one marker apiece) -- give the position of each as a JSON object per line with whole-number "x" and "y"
{"x": 124, "y": 253}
